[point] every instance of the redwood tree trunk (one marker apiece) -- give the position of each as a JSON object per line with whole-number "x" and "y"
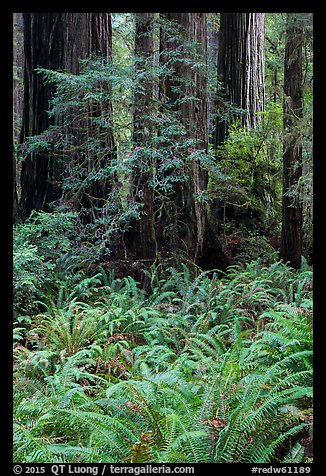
{"x": 55, "y": 41}
{"x": 213, "y": 34}
{"x": 192, "y": 83}
{"x": 141, "y": 239}
{"x": 18, "y": 91}
{"x": 83, "y": 34}
{"x": 291, "y": 239}
{"x": 86, "y": 34}
{"x": 241, "y": 66}
{"x": 42, "y": 47}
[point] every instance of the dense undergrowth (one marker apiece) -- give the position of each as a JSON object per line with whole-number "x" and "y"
{"x": 209, "y": 368}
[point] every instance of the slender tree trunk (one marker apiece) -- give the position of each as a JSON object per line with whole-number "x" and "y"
{"x": 241, "y": 66}
{"x": 291, "y": 238}
{"x": 141, "y": 239}
{"x": 192, "y": 83}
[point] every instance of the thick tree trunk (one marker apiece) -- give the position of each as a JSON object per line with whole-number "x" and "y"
{"x": 241, "y": 66}
{"x": 84, "y": 34}
{"x": 213, "y": 35}
{"x": 55, "y": 41}
{"x": 16, "y": 209}
{"x": 18, "y": 57}
{"x": 291, "y": 239}
{"x": 192, "y": 83}
{"x": 141, "y": 239}
{"x": 18, "y": 91}
{"x": 88, "y": 34}
{"x": 42, "y": 47}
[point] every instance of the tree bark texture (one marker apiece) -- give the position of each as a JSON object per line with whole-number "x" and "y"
{"x": 86, "y": 34}
{"x": 141, "y": 239}
{"x": 241, "y": 66}
{"x": 18, "y": 57}
{"x": 42, "y": 47}
{"x": 213, "y": 33}
{"x": 291, "y": 238}
{"x": 192, "y": 83}
{"x": 54, "y": 41}
{"x": 18, "y": 91}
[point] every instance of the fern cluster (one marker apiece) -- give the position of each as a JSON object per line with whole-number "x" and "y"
{"x": 216, "y": 368}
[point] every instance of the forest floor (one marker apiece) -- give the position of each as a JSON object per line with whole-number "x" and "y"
{"x": 213, "y": 367}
